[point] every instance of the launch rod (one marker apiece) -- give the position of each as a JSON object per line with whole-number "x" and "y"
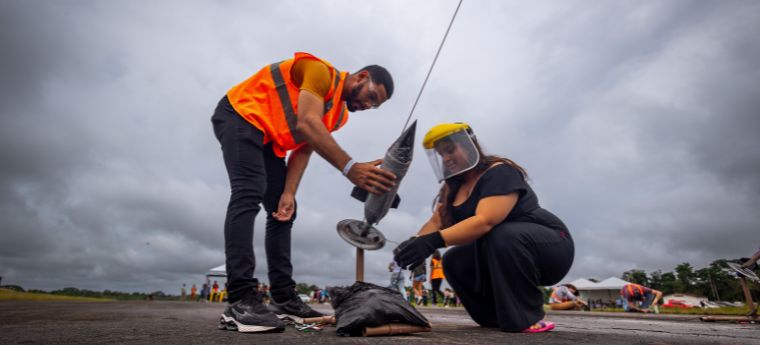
{"x": 359, "y": 264}
{"x": 431, "y": 66}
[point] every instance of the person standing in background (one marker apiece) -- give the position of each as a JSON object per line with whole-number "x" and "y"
{"x": 418, "y": 280}
{"x": 436, "y": 275}
{"x": 397, "y": 278}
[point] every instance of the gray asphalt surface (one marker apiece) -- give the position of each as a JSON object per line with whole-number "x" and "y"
{"x": 196, "y": 323}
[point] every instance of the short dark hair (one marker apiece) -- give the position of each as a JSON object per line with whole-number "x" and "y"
{"x": 380, "y": 75}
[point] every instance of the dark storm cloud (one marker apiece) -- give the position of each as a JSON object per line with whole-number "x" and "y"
{"x": 637, "y": 122}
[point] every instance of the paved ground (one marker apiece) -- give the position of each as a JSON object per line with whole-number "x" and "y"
{"x": 195, "y": 323}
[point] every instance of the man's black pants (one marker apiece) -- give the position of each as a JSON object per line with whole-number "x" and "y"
{"x": 256, "y": 175}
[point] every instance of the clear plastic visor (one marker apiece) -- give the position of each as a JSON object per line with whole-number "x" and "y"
{"x": 453, "y": 155}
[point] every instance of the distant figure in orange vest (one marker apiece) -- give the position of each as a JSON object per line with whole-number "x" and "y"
{"x": 637, "y": 298}
{"x": 436, "y": 275}
{"x": 288, "y": 106}
{"x": 193, "y": 290}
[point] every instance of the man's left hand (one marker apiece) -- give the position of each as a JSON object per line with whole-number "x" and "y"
{"x": 417, "y": 250}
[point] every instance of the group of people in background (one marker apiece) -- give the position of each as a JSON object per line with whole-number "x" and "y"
{"x": 633, "y": 298}
{"x": 417, "y": 294}
{"x": 210, "y": 292}
{"x": 319, "y": 296}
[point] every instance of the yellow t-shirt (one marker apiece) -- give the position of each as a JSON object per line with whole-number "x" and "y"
{"x": 311, "y": 75}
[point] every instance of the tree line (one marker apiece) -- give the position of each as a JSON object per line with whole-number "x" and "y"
{"x": 117, "y": 295}
{"x": 715, "y": 281}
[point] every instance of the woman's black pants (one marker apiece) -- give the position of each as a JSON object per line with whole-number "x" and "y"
{"x": 510, "y": 265}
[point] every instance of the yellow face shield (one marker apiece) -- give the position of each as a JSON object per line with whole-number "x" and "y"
{"x": 451, "y": 150}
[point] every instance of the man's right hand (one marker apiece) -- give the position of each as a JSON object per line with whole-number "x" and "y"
{"x": 371, "y": 178}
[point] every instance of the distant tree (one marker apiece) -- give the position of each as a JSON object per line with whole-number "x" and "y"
{"x": 668, "y": 283}
{"x": 636, "y": 276}
{"x": 726, "y": 283}
{"x": 13, "y": 287}
{"x": 303, "y": 288}
{"x": 655, "y": 280}
{"x": 686, "y": 278}
{"x": 714, "y": 282}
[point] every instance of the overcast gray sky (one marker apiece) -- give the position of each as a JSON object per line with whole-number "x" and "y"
{"x": 637, "y": 121}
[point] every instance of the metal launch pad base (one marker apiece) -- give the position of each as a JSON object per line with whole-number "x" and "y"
{"x": 360, "y": 234}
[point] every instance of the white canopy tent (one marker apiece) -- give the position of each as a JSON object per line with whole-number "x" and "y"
{"x": 607, "y": 290}
{"x": 582, "y": 283}
{"x": 219, "y": 272}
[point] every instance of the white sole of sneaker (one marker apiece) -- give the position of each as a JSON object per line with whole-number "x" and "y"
{"x": 229, "y": 321}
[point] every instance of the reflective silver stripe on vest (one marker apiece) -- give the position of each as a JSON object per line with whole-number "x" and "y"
{"x": 343, "y": 105}
{"x": 340, "y": 118}
{"x": 287, "y": 107}
{"x": 329, "y": 104}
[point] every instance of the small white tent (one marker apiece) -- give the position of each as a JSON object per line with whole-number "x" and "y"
{"x": 582, "y": 283}
{"x": 611, "y": 283}
{"x": 218, "y": 273}
{"x": 607, "y": 290}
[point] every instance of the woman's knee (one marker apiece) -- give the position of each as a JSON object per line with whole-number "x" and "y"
{"x": 457, "y": 259}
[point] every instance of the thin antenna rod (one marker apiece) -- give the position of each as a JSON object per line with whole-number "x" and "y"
{"x": 431, "y": 66}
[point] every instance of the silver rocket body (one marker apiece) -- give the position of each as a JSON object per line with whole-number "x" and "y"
{"x": 362, "y": 234}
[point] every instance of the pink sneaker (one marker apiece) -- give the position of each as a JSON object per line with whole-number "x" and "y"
{"x": 541, "y": 326}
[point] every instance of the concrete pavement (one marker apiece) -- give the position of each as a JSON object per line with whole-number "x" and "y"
{"x": 23, "y": 322}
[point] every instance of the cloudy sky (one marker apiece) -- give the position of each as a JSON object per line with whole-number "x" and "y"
{"x": 637, "y": 121}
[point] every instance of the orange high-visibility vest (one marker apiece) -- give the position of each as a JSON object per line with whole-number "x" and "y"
{"x": 436, "y": 272}
{"x": 269, "y": 101}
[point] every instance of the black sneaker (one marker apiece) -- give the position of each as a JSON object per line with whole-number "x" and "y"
{"x": 250, "y": 315}
{"x": 294, "y": 309}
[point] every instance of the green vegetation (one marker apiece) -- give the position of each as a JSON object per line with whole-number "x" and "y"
{"x": 15, "y": 295}
{"x": 706, "y": 311}
{"x": 82, "y": 294}
{"x": 713, "y": 281}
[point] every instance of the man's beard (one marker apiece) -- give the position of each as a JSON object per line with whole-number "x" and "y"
{"x": 352, "y": 95}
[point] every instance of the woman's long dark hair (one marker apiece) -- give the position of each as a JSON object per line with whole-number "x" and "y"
{"x": 451, "y": 185}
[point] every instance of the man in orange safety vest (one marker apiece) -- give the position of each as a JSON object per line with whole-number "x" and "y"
{"x": 288, "y": 106}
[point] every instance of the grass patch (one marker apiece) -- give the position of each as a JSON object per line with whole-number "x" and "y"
{"x": 740, "y": 311}
{"x": 11, "y": 295}
{"x": 706, "y": 311}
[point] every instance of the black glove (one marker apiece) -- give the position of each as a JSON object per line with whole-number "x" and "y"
{"x": 402, "y": 245}
{"x": 414, "y": 251}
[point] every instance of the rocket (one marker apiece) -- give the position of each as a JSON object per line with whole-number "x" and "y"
{"x": 363, "y": 234}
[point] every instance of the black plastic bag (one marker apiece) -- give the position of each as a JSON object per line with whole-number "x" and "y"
{"x": 368, "y": 305}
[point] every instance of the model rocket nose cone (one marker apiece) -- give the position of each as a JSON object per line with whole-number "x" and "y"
{"x": 407, "y": 138}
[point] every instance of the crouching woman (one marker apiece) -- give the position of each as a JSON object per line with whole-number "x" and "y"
{"x": 504, "y": 244}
